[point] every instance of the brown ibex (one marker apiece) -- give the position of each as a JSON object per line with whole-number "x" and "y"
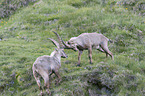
{"x": 87, "y": 41}
{"x": 46, "y": 65}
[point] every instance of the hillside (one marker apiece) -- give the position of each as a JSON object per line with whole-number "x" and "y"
{"x": 24, "y": 36}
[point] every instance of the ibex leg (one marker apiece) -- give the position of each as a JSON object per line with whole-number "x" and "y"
{"x": 37, "y": 78}
{"x": 59, "y": 77}
{"x": 45, "y": 76}
{"x": 105, "y": 47}
{"x": 46, "y": 84}
{"x": 90, "y": 54}
{"x": 101, "y": 50}
{"x": 79, "y": 57}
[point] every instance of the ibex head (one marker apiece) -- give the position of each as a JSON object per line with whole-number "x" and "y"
{"x": 60, "y": 47}
{"x": 72, "y": 44}
{"x": 61, "y": 52}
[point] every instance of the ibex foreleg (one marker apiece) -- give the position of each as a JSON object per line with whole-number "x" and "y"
{"x": 90, "y": 54}
{"x": 59, "y": 77}
{"x": 79, "y": 57}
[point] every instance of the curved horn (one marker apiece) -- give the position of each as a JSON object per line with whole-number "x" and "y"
{"x": 54, "y": 42}
{"x": 67, "y": 46}
{"x": 59, "y": 39}
{"x": 62, "y": 43}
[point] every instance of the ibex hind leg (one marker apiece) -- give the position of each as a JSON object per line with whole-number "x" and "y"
{"x": 47, "y": 85}
{"x": 45, "y": 76}
{"x": 37, "y": 78}
{"x": 100, "y": 49}
{"x": 105, "y": 48}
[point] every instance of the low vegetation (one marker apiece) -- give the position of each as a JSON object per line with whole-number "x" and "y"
{"x": 23, "y": 38}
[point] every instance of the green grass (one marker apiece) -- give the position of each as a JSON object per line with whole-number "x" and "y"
{"x": 23, "y": 38}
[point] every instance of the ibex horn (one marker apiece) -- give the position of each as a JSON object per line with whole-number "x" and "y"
{"x": 54, "y": 42}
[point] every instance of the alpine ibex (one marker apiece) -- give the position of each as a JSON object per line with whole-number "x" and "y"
{"x": 46, "y": 65}
{"x": 87, "y": 41}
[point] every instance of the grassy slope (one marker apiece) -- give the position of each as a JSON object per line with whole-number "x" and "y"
{"x": 24, "y": 38}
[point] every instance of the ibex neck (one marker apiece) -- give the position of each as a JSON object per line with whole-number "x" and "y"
{"x": 57, "y": 56}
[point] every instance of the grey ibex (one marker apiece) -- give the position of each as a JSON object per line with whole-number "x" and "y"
{"x": 87, "y": 41}
{"x": 46, "y": 65}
